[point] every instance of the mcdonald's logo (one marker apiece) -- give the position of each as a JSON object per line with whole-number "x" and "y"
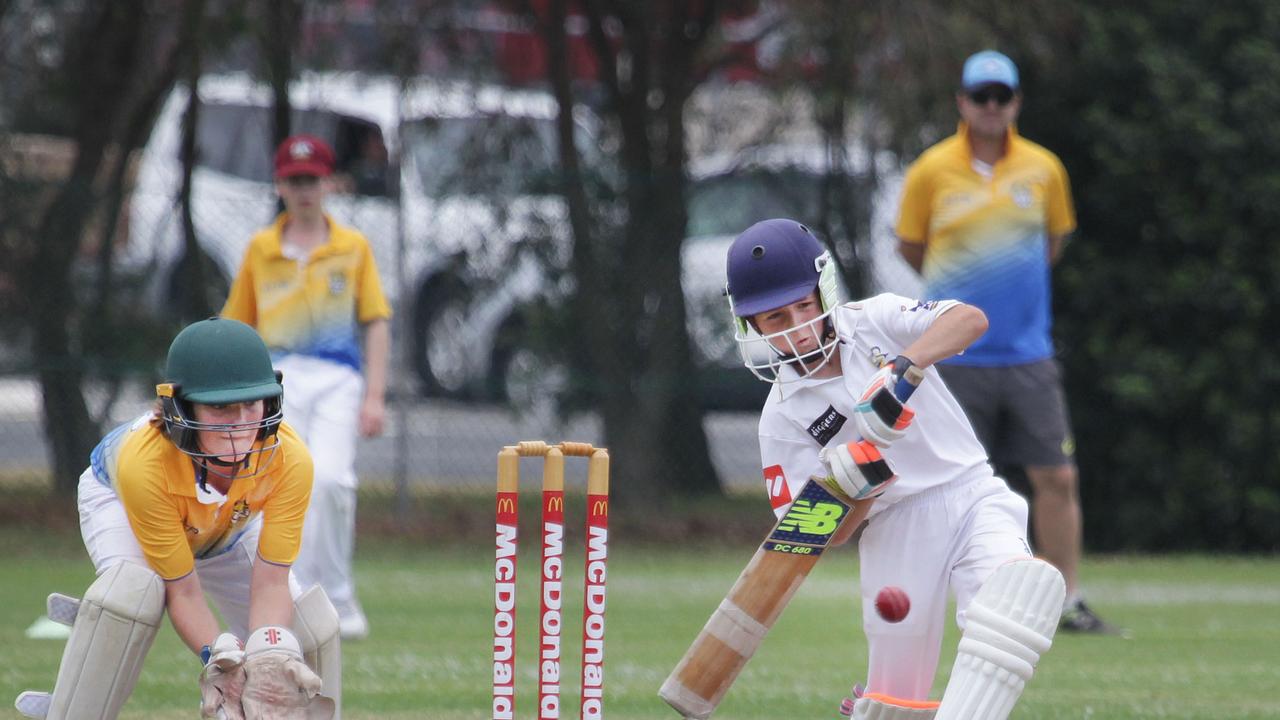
{"x": 506, "y": 505}
{"x": 600, "y": 507}
{"x": 555, "y": 504}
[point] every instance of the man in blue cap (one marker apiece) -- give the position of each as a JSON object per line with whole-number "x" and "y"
{"x": 984, "y": 216}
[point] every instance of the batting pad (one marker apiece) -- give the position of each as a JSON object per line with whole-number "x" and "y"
{"x": 315, "y": 622}
{"x": 113, "y": 629}
{"x": 1010, "y": 624}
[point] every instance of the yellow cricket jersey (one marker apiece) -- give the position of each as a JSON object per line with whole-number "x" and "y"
{"x": 986, "y": 239}
{"x": 156, "y": 483}
{"x": 313, "y": 305}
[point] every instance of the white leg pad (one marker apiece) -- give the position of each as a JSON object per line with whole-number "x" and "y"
{"x": 315, "y": 622}
{"x": 874, "y": 707}
{"x": 113, "y": 629}
{"x": 1009, "y": 625}
{"x": 62, "y": 608}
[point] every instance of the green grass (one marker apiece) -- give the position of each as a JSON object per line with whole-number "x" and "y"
{"x": 1206, "y": 636}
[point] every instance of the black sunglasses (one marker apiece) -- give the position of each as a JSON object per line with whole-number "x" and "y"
{"x": 1001, "y": 94}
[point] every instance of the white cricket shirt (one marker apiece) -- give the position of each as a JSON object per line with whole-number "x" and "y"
{"x": 805, "y": 415}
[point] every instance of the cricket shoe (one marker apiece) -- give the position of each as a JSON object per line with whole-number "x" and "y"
{"x": 1080, "y": 618}
{"x": 353, "y": 626}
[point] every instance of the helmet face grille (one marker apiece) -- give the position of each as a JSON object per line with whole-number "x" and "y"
{"x": 183, "y": 430}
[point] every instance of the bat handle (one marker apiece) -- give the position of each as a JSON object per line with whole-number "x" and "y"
{"x": 908, "y": 383}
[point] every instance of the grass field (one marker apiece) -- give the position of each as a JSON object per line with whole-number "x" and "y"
{"x": 1206, "y": 636}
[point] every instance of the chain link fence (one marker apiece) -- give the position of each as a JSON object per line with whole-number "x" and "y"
{"x": 461, "y": 267}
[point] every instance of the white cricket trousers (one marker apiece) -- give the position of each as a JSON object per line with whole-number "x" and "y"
{"x": 950, "y": 537}
{"x": 224, "y": 578}
{"x": 322, "y": 404}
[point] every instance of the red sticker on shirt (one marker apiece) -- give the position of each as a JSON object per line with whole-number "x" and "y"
{"x": 775, "y": 483}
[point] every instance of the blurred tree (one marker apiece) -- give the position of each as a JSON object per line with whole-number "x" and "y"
{"x": 1166, "y": 116}
{"x": 100, "y": 84}
{"x": 628, "y": 309}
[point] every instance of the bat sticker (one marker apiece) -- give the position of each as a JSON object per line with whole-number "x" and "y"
{"x": 809, "y": 523}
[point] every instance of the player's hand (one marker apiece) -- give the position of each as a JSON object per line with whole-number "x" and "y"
{"x": 858, "y": 470}
{"x": 881, "y": 417}
{"x": 373, "y": 416}
{"x": 222, "y": 680}
{"x": 279, "y": 685}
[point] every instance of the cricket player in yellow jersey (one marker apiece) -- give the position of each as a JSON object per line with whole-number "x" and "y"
{"x": 310, "y": 287}
{"x": 203, "y": 496}
{"x": 984, "y": 216}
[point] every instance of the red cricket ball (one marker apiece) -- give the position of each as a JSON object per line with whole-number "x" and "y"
{"x": 892, "y": 603}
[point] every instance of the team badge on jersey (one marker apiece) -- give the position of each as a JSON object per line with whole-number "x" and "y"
{"x": 1022, "y": 195}
{"x": 240, "y": 511}
{"x": 775, "y": 483}
{"x": 337, "y": 282}
{"x": 827, "y": 425}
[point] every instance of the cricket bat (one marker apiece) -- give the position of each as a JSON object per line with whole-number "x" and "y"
{"x": 762, "y": 591}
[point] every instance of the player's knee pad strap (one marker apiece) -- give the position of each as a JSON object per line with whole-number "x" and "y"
{"x": 315, "y": 622}
{"x": 1009, "y": 625}
{"x": 875, "y": 706}
{"x": 114, "y": 627}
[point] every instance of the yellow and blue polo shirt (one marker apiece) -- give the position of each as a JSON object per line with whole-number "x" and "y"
{"x": 309, "y": 306}
{"x": 986, "y": 239}
{"x": 156, "y": 483}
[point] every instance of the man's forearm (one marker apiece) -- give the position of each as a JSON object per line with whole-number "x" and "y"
{"x": 270, "y": 602}
{"x": 377, "y": 352}
{"x": 189, "y": 613}
{"x": 953, "y": 331}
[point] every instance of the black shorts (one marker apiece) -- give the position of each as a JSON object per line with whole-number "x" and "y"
{"x": 1018, "y": 412}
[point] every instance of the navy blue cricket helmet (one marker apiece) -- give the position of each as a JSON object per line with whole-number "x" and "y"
{"x": 770, "y": 265}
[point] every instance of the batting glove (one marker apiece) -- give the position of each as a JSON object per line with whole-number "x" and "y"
{"x": 858, "y": 471}
{"x": 880, "y": 415}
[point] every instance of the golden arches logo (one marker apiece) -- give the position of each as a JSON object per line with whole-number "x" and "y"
{"x": 506, "y": 505}
{"x": 600, "y": 507}
{"x": 555, "y": 504}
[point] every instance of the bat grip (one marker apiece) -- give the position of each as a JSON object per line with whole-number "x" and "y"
{"x": 908, "y": 383}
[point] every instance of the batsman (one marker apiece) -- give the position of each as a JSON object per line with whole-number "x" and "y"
{"x": 938, "y": 520}
{"x": 202, "y": 496}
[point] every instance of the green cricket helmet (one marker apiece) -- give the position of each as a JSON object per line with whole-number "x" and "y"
{"x": 219, "y": 361}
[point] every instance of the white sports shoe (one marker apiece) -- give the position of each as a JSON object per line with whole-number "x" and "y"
{"x": 353, "y": 626}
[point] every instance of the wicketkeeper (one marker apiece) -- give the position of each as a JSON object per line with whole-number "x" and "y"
{"x": 203, "y": 496}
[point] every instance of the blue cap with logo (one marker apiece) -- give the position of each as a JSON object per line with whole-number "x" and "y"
{"x": 989, "y": 68}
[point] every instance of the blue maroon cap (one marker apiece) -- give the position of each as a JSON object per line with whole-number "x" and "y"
{"x": 771, "y": 264}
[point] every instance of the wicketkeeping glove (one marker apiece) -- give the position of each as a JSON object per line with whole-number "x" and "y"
{"x": 279, "y": 685}
{"x": 222, "y": 680}
{"x": 858, "y": 471}
{"x": 881, "y": 417}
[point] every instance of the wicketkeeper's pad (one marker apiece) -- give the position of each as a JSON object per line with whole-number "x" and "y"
{"x": 315, "y": 622}
{"x": 114, "y": 627}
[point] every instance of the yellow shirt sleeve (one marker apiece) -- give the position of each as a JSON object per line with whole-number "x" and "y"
{"x": 1060, "y": 211}
{"x": 155, "y": 518}
{"x": 242, "y": 304}
{"x": 371, "y": 303}
{"x": 286, "y": 507}
{"x": 917, "y": 203}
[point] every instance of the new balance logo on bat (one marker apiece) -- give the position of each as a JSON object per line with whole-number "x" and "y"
{"x": 810, "y": 518}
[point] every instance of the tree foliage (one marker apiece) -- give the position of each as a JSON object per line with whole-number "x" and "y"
{"x": 1166, "y": 116}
